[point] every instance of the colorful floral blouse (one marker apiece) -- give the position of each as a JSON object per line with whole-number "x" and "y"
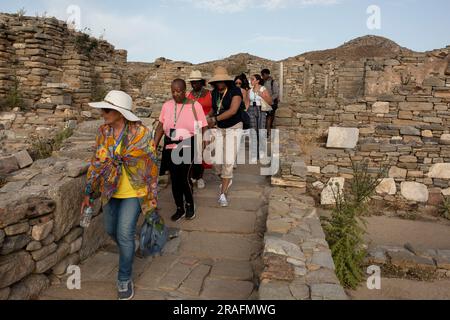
{"x": 137, "y": 157}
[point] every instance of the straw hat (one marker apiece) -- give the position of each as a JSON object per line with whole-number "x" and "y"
{"x": 221, "y": 74}
{"x": 119, "y": 101}
{"x": 196, "y": 75}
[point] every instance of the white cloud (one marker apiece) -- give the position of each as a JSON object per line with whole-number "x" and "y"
{"x": 141, "y": 34}
{"x": 231, "y": 6}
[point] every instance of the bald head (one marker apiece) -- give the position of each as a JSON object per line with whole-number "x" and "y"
{"x": 179, "y": 90}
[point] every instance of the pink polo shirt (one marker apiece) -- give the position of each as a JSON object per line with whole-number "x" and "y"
{"x": 185, "y": 127}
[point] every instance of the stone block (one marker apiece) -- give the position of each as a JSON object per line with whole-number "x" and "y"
{"x": 15, "y": 267}
{"x": 41, "y": 231}
{"x": 380, "y": 107}
{"x": 440, "y": 171}
{"x": 342, "y": 138}
{"x": 387, "y": 186}
{"x": 29, "y": 288}
{"x": 23, "y": 159}
{"x": 414, "y": 191}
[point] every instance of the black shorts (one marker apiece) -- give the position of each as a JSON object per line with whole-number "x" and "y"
{"x": 274, "y": 110}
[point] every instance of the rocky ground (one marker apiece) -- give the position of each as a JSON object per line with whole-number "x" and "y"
{"x": 407, "y": 243}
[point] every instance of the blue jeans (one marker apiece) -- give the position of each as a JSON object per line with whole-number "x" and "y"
{"x": 121, "y": 217}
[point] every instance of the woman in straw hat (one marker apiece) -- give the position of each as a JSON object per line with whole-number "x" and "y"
{"x": 124, "y": 171}
{"x": 203, "y": 96}
{"x": 227, "y": 108}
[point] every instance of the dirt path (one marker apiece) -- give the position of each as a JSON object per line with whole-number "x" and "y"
{"x": 215, "y": 257}
{"x": 397, "y": 232}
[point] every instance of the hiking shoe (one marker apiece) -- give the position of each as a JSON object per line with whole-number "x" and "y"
{"x": 201, "y": 184}
{"x": 223, "y": 201}
{"x": 125, "y": 290}
{"x": 180, "y": 214}
{"x": 190, "y": 212}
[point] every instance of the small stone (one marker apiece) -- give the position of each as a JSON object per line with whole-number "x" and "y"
{"x": 17, "y": 229}
{"x": 380, "y": 107}
{"x": 342, "y": 138}
{"x": 398, "y": 173}
{"x": 76, "y": 168}
{"x": 41, "y": 231}
{"x": 73, "y": 235}
{"x": 29, "y": 288}
{"x": 61, "y": 267}
{"x": 445, "y": 139}
{"x": 327, "y": 292}
{"x": 299, "y": 169}
{"x": 410, "y": 131}
{"x": 15, "y": 243}
{"x": 330, "y": 169}
{"x": 44, "y": 252}
{"x": 33, "y": 246}
{"x": 387, "y": 186}
{"x": 23, "y": 159}
{"x": 440, "y": 171}
{"x": 278, "y": 208}
{"x": 427, "y": 134}
{"x": 15, "y": 267}
{"x": 318, "y": 185}
{"x": 313, "y": 170}
{"x": 275, "y": 290}
{"x": 323, "y": 260}
{"x": 76, "y": 245}
{"x": 284, "y": 248}
{"x": 446, "y": 192}
{"x": 299, "y": 291}
{"x": 414, "y": 191}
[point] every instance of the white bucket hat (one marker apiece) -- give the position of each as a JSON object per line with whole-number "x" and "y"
{"x": 196, "y": 75}
{"x": 119, "y": 101}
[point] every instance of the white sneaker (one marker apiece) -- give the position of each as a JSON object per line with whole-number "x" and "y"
{"x": 201, "y": 184}
{"x": 223, "y": 201}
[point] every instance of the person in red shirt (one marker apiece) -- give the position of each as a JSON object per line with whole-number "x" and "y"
{"x": 203, "y": 96}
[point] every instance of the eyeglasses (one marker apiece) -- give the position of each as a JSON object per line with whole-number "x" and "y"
{"x": 239, "y": 83}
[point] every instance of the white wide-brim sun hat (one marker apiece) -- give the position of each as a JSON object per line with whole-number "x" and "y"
{"x": 119, "y": 101}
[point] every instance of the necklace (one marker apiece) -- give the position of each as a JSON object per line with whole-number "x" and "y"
{"x": 199, "y": 95}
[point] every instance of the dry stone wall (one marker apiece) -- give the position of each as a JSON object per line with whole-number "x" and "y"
{"x": 39, "y": 221}
{"x": 53, "y": 73}
{"x": 402, "y": 118}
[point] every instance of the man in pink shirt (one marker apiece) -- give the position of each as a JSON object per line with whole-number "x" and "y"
{"x": 180, "y": 119}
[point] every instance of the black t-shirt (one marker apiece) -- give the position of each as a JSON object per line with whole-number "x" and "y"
{"x": 226, "y": 104}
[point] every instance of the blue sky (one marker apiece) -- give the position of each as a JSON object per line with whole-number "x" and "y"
{"x": 204, "y": 30}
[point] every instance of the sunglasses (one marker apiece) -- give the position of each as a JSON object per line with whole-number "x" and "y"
{"x": 106, "y": 110}
{"x": 239, "y": 83}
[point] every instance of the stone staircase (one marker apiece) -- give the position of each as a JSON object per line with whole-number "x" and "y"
{"x": 216, "y": 256}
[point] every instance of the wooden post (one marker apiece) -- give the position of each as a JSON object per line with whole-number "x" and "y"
{"x": 281, "y": 81}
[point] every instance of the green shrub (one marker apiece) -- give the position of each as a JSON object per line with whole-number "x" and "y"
{"x": 346, "y": 227}
{"x": 42, "y": 148}
{"x": 84, "y": 43}
{"x": 14, "y": 97}
{"x": 445, "y": 208}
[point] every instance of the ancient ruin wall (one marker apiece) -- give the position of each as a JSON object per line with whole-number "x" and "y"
{"x": 400, "y": 109}
{"x": 56, "y": 72}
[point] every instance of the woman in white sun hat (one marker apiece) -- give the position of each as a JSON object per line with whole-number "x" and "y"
{"x": 124, "y": 171}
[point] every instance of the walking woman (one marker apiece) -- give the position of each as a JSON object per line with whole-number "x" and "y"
{"x": 241, "y": 82}
{"x": 177, "y": 124}
{"x": 124, "y": 171}
{"x": 258, "y": 93}
{"x": 203, "y": 96}
{"x": 227, "y": 107}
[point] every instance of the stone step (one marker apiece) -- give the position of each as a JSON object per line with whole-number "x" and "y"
{"x": 214, "y": 220}
{"x": 220, "y": 246}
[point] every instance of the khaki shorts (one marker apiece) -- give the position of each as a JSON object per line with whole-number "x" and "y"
{"x": 233, "y": 136}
